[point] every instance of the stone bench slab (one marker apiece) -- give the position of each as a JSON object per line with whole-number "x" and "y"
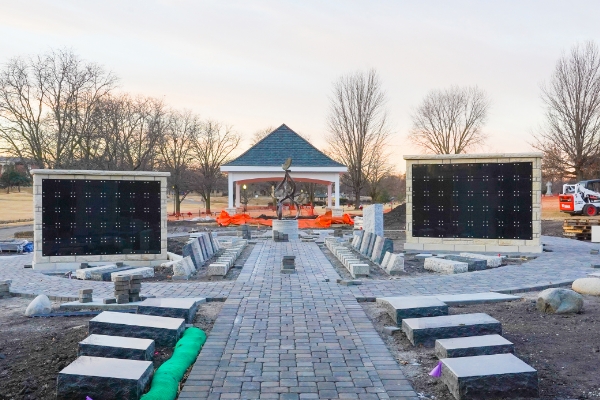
{"x": 473, "y": 346}
{"x": 86, "y": 273}
{"x": 185, "y": 308}
{"x": 103, "y": 378}
{"x": 492, "y": 261}
{"x": 146, "y": 272}
{"x": 117, "y": 347}
{"x": 473, "y": 264}
{"x": 427, "y": 330}
{"x": 489, "y": 377}
{"x": 445, "y": 266}
{"x": 400, "y": 308}
{"x": 164, "y": 331}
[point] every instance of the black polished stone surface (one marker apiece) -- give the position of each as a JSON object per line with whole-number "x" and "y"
{"x": 479, "y": 200}
{"x": 97, "y": 217}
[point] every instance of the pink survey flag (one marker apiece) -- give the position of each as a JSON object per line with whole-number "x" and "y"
{"x": 437, "y": 371}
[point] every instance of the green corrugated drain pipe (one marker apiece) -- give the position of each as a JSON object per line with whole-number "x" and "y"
{"x": 167, "y": 377}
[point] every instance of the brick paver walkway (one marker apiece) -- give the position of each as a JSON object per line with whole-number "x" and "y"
{"x": 294, "y": 336}
{"x": 299, "y": 335}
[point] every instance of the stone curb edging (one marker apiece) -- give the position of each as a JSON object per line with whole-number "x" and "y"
{"x": 512, "y": 290}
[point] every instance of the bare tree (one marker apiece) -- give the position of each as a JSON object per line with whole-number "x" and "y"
{"x": 450, "y": 121}
{"x": 176, "y": 149}
{"x": 357, "y": 125}
{"x": 213, "y": 146}
{"x": 46, "y": 108}
{"x": 260, "y": 135}
{"x": 131, "y": 129}
{"x": 570, "y": 138}
{"x": 378, "y": 168}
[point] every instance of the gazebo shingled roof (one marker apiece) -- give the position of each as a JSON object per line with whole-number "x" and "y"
{"x": 277, "y": 146}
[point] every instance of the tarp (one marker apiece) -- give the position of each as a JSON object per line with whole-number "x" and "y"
{"x": 322, "y": 221}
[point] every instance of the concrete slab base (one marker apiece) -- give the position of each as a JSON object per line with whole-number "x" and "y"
{"x": 473, "y": 346}
{"x": 164, "y": 331}
{"x": 185, "y": 308}
{"x": 103, "y": 378}
{"x": 487, "y": 377}
{"x": 427, "y": 330}
{"x": 400, "y": 308}
{"x": 117, "y": 347}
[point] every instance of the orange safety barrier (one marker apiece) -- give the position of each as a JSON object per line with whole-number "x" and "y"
{"x": 322, "y": 221}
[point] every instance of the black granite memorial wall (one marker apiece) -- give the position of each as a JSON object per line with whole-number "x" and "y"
{"x": 97, "y": 217}
{"x": 479, "y": 200}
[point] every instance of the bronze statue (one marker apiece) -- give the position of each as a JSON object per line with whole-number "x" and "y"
{"x": 286, "y": 190}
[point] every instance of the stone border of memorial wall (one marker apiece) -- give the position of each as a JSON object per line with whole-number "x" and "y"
{"x": 63, "y": 263}
{"x": 477, "y": 245}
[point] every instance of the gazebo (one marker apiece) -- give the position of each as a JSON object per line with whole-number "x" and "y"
{"x": 263, "y": 161}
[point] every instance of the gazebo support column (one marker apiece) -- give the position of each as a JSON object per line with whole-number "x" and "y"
{"x": 229, "y": 191}
{"x": 238, "y": 199}
{"x": 337, "y": 191}
{"x": 329, "y": 195}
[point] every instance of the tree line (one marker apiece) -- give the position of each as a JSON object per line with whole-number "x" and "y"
{"x": 58, "y": 111}
{"x": 452, "y": 120}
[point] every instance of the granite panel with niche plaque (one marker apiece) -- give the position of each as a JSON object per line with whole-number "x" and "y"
{"x": 474, "y": 200}
{"x": 98, "y": 217}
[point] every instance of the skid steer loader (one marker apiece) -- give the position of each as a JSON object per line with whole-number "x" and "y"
{"x": 581, "y": 198}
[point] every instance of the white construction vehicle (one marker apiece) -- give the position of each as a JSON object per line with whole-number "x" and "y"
{"x": 581, "y": 198}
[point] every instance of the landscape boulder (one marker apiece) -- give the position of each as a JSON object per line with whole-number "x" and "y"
{"x": 559, "y": 301}
{"x": 39, "y": 305}
{"x": 587, "y": 286}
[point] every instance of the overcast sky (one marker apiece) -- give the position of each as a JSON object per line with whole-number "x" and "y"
{"x": 254, "y": 64}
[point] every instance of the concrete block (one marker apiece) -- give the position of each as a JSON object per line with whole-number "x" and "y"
{"x": 117, "y": 347}
{"x": 427, "y": 330}
{"x": 492, "y": 261}
{"x": 445, "y": 266}
{"x": 164, "y": 331}
{"x": 146, "y": 272}
{"x": 400, "y": 308}
{"x": 486, "y": 377}
{"x": 358, "y": 270}
{"x": 185, "y": 308}
{"x": 103, "y": 378}
{"x": 473, "y": 264}
{"x": 473, "y": 346}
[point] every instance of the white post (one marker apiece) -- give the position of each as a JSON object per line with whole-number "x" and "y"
{"x": 337, "y": 190}
{"x": 329, "y": 195}
{"x": 238, "y": 200}
{"x": 230, "y": 190}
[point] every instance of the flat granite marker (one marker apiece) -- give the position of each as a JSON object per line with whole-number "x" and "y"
{"x": 164, "y": 331}
{"x": 427, "y": 330}
{"x": 400, "y": 308}
{"x": 185, "y": 308}
{"x": 487, "y": 377}
{"x": 117, "y": 347}
{"x": 483, "y": 345}
{"x": 103, "y": 378}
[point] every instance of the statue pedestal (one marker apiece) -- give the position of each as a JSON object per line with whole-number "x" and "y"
{"x": 289, "y": 226}
{"x": 231, "y": 211}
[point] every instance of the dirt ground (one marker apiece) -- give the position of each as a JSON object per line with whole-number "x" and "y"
{"x": 34, "y": 350}
{"x": 564, "y": 349}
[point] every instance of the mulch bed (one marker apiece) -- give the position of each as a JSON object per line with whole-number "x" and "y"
{"x": 564, "y": 349}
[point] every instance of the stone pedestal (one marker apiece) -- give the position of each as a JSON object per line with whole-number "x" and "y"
{"x": 373, "y": 219}
{"x": 337, "y": 211}
{"x": 287, "y": 226}
{"x": 231, "y": 211}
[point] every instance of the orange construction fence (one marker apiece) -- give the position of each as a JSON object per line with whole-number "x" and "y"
{"x": 322, "y": 221}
